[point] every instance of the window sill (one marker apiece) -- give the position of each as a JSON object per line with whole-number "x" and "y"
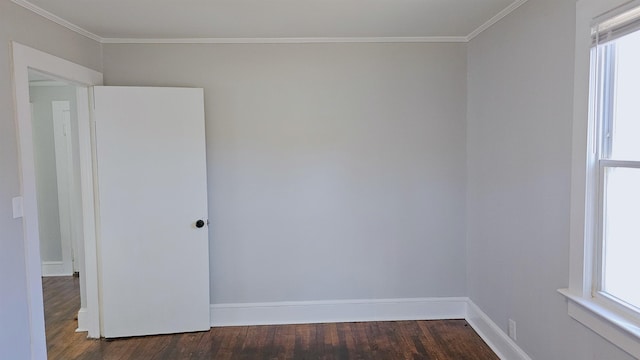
{"x": 609, "y": 324}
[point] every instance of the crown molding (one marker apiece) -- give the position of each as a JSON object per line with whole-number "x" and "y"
{"x": 56, "y": 19}
{"x": 299, "y": 40}
{"x": 499, "y": 16}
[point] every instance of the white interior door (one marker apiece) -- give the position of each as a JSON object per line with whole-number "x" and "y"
{"x": 152, "y": 189}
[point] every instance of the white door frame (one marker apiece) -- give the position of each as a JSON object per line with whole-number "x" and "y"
{"x": 25, "y": 58}
{"x": 61, "y": 112}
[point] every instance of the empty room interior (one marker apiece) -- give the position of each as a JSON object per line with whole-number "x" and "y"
{"x": 377, "y": 173}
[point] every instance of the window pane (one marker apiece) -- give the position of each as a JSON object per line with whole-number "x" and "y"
{"x": 621, "y": 252}
{"x": 626, "y": 106}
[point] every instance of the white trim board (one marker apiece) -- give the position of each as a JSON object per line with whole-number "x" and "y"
{"x": 314, "y": 312}
{"x": 491, "y": 333}
{"x": 309, "y": 312}
{"x": 55, "y": 268}
{"x": 418, "y": 39}
{"x": 25, "y": 58}
{"x": 83, "y": 320}
{"x": 56, "y": 19}
{"x": 283, "y": 40}
{"x": 617, "y": 329}
{"x": 499, "y": 16}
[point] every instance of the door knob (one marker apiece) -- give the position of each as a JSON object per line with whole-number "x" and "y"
{"x": 199, "y": 223}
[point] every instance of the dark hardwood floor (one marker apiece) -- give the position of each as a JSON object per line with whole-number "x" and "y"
{"x": 451, "y": 339}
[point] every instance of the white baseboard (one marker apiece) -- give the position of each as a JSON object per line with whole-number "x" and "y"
{"x": 498, "y": 340}
{"x": 54, "y": 268}
{"x": 313, "y": 312}
{"x": 82, "y": 320}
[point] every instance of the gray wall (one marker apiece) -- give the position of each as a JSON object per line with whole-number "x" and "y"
{"x": 336, "y": 171}
{"x": 45, "y": 162}
{"x": 23, "y": 26}
{"x": 520, "y": 106}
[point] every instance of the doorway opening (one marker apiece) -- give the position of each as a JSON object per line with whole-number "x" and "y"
{"x": 54, "y": 120}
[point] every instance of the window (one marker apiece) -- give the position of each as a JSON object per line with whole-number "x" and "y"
{"x": 604, "y": 290}
{"x": 616, "y": 108}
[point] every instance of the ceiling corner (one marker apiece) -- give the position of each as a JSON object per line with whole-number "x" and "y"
{"x": 81, "y": 31}
{"x": 58, "y": 20}
{"x": 499, "y": 16}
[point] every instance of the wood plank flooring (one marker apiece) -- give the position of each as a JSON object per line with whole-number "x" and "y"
{"x": 441, "y": 340}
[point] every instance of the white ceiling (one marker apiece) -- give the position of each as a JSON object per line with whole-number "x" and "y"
{"x": 171, "y": 19}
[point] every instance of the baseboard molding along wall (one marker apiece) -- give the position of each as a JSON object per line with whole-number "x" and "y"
{"x": 309, "y": 312}
{"x": 82, "y": 320}
{"x": 313, "y": 312}
{"x": 492, "y": 334}
{"x": 54, "y": 268}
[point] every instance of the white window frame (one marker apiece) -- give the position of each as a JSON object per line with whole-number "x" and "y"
{"x": 604, "y": 316}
